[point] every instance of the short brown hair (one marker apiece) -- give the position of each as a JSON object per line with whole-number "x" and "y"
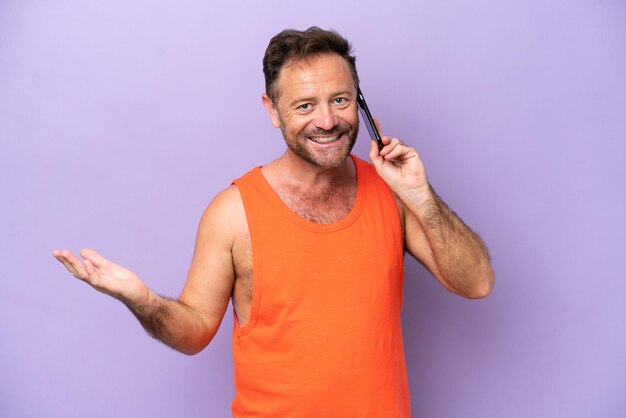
{"x": 292, "y": 45}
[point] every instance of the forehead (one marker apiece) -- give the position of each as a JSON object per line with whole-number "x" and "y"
{"x": 316, "y": 75}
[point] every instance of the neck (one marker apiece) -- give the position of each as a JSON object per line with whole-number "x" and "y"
{"x": 319, "y": 195}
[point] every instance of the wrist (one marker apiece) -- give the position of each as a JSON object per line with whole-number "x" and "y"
{"x": 420, "y": 200}
{"x": 143, "y": 301}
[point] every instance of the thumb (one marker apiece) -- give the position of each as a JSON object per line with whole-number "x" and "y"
{"x": 374, "y": 154}
{"x": 96, "y": 259}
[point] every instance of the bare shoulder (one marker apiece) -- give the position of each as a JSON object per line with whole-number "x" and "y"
{"x": 227, "y": 199}
{"x": 225, "y": 215}
{"x": 220, "y": 229}
{"x": 211, "y": 275}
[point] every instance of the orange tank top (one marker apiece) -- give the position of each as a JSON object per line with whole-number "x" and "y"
{"x": 324, "y": 337}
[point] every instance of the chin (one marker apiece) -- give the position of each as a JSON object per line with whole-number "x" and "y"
{"x": 325, "y": 160}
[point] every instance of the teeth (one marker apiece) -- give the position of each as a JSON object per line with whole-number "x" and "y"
{"x": 324, "y": 139}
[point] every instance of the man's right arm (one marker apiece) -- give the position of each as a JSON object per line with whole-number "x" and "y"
{"x": 188, "y": 323}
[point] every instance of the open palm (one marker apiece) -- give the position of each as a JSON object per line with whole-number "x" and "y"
{"x": 104, "y": 275}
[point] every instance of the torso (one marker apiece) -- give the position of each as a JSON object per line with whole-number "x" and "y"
{"x": 323, "y": 206}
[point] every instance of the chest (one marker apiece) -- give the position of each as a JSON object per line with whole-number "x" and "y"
{"x": 322, "y": 206}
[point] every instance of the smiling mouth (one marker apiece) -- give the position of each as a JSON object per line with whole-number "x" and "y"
{"x": 327, "y": 139}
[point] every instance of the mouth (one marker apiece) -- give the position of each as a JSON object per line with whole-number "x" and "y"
{"x": 325, "y": 139}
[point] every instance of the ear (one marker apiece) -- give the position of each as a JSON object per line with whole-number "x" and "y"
{"x": 271, "y": 110}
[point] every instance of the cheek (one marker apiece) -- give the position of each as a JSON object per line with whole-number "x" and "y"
{"x": 351, "y": 118}
{"x": 291, "y": 118}
{"x": 350, "y": 114}
{"x": 299, "y": 123}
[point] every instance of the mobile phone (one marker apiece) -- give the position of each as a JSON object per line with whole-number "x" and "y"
{"x": 368, "y": 119}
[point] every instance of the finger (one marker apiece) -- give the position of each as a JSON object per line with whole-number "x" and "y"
{"x": 96, "y": 259}
{"x": 374, "y": 154}
{"x": 58, "y": 254}
{"x": 398, "y": 153}
{"x": 96, "y": 280}
{"x": 66, "y": 264}
{"x": 89, "y": 267}
{"x": 92, "y": 274}
{"x": 71, "y": 258}
{"x": 390, "y": 146}
{"x": 72, "y": 264}
{"x": 398, "y": 149}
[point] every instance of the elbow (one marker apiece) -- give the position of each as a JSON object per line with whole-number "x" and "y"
{"x": 478, "y": 293}
{"x": 483, "y": 285}
{"x": 188, "y": 352}
{"x": 195, "y": 346}
{"x": 192, "y": 350}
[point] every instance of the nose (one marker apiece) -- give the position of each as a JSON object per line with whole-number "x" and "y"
{"x": 325, "y": 117}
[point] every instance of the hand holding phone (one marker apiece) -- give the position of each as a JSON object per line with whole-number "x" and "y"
{"x": 368, "y": 119}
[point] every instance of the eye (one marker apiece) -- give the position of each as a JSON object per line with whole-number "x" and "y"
{"x": 305, "y": 107}
{"x": 341, "y": 101}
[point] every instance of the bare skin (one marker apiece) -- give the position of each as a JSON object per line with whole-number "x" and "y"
{"x": 316, "y": 111}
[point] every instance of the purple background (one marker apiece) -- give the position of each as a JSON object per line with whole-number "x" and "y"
{"x": 119, "y": 121}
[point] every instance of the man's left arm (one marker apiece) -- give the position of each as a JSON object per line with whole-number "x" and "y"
{"x": 433, "y": 233}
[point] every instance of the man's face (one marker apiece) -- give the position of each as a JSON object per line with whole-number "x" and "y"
{"x": 317, "y": 109}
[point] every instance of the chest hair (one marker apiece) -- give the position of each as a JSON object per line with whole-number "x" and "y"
{"x": 322, "y": 206}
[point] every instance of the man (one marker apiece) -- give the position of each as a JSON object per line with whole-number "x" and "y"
{"x": 310, "y": 249}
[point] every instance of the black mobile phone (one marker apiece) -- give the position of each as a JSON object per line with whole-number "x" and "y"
{"x": 368, "y": 119}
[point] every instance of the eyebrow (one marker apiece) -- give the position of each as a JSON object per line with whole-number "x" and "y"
{"x": 312, "y": 99}
{"x": 300, "y": 100}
